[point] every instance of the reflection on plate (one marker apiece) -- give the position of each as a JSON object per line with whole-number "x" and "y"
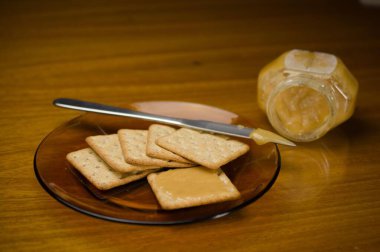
{"x": 252, "y": 174}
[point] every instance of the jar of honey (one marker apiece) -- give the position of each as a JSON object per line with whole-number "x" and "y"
{"x": 305, "y": 94}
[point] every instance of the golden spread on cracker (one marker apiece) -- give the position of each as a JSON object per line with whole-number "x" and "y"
{"x": 192, "y": 159}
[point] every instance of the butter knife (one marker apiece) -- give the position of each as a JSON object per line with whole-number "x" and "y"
{"x": 260, "y": 136}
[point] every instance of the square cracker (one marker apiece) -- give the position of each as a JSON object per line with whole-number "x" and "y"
{"x": 153, "y": 150}
{"x": 109, "y": 149}
{"x": 180, "y": 188}
{"x": 211, "y": 151}
{"x": 87, "y": 162}
{"x": 133, "y": 144}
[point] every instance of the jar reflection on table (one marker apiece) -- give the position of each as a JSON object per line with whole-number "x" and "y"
{"x": 310, "y": 168}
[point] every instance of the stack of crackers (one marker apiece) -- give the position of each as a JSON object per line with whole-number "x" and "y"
{"x": 192, "y": 160}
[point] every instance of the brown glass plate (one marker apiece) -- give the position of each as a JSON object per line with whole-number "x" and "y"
{"x": 253, "y": 173}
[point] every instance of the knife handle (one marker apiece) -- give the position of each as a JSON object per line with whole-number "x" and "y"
{"x": 110, "y": 110}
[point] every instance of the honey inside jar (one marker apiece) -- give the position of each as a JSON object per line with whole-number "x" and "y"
{"x": 301, "y": 109}
{"x": 305, "y": 94}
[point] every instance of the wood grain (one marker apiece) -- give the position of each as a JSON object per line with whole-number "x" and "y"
{"x": 327, "y": 195}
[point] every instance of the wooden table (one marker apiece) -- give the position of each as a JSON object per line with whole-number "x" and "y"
{"x": 326, "y": 197}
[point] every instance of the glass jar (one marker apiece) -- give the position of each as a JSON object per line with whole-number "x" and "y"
{"x": 305, "y": 94}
